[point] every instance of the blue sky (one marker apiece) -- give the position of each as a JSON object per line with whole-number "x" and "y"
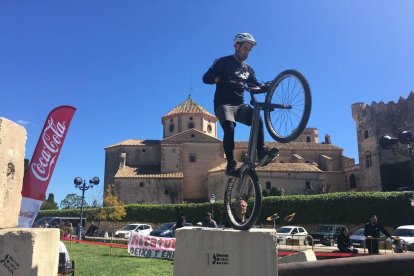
{"x": 123, "y": 64}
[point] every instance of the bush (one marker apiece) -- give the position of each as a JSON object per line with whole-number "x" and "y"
{"x": 392, "y": 209}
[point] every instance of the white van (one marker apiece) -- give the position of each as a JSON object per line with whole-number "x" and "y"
{"x": 406, "y": 233}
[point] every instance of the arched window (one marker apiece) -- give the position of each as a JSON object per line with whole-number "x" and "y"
{"x": 209, "y": 128}
{"x": 308, "y": 139}
{"x": 171, "y": 127}
{"x": 190, "y": 125}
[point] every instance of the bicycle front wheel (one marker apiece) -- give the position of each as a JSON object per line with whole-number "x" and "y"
{"x": 243, "y": 200}
{"x": 288, "y": 106}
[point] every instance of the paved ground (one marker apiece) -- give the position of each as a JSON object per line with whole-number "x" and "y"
{"x": 323, "y": 249}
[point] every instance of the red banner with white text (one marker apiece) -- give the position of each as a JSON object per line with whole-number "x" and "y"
{"x": 151, "y": 247}
{"x": 37, "y": 175}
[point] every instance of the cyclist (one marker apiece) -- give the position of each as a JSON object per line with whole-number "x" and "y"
{"x": 231, "y": 74}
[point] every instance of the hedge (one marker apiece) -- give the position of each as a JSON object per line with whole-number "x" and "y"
{"x": 392, "y": 209}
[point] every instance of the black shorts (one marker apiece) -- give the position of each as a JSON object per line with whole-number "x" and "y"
{"x": 235, "y": 113}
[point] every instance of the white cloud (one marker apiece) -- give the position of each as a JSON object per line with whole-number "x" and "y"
{"x": 23, "y": 122}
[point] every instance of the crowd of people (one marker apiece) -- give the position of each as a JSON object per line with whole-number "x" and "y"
{"x": 372, "y": 232}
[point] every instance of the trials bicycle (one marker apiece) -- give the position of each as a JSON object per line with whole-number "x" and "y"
{"x": 286, "y": 108}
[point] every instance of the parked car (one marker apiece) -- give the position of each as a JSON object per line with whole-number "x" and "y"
{"x": 326, "y": 234}
{"x": 125, "y": 231}
{"x": 287, "y": 233}
{"x": 406, "y": 233}
{"x": 166, "y": 230}
{"x": 357, "y": 239}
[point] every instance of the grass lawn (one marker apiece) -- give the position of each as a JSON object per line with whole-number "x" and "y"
{"x": 98, "y": 260}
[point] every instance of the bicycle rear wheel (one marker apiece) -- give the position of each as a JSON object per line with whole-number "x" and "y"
{"x": 290, "y": 100}
{"x": 239, "y": 192}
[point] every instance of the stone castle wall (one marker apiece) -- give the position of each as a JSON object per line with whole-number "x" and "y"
{"x": 373, "y": 121}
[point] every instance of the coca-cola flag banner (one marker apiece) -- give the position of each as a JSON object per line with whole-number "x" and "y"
{"x": 41, "y": 166}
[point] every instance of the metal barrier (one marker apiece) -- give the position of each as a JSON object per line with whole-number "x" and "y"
{"x": 295, "y": 241}
{"x": 384, "y": 245}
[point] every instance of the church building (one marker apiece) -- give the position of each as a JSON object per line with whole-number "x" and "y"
{"x": 188, "y": 163}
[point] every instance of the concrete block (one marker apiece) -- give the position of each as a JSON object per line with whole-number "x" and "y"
{"x": 29, "y": 251}
{"x": 12, "y": 152}
{"x": 302, "y": 256}
{"x": 213, "y": 251}
{"x": 378, "y": 265}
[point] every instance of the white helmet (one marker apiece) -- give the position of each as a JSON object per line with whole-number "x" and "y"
{"x": 242, "y": 37}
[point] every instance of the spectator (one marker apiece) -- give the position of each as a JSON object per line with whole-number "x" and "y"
{"x": 180, "y": 222}
{"x": 397, "y": 247}
{"x": 92, "y": 230}
{"x": 62, "y": 249}
{"x": 45, "y": 224}
{"x": 344, "y": 243}
{"x": 209, "y": 222}
{"x": 241, "y": 208}
{"x": 70, "y": 229}
{"x": 372, "y": 233}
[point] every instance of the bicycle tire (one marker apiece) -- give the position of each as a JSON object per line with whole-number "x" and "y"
{"x": 285, "y": 125}
{"x": 248, "y": 180}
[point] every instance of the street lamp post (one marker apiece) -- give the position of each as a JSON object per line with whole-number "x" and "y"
{"x": 81, "y": 185}
{"x": 212, "y": 201}
{"x": 407, "y": 139}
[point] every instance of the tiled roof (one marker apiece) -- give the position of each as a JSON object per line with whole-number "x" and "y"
{"x": 145, "y": 172}
{"x": 135, "y": 142}
{"x": 188, "y": 106}
{"x": 276, "y": 167}
{"x": 293, "y": 146}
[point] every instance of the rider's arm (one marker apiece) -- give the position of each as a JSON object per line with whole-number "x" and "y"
{"x": 252, "y": 81}
{"x": 212, "y": 74}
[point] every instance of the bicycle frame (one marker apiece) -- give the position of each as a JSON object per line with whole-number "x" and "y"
{"x": 252, "y": 146}
{"x": 245, "y": 185}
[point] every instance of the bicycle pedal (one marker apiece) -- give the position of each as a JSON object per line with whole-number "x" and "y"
{"x": 235, "y": 173}
{"x": 265, "y": 161}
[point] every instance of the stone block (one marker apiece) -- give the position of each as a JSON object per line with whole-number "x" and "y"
{"x": 29, "y": 251}
{"x": 302, "y": 256}
{"x": 213, "y": 251}
{"x": 12, "y": 153}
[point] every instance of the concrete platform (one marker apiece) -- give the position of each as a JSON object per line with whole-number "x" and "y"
{"x": 12, "y": 152}
{"x": 29, "y": 251}
{"x": 212, "y": 251}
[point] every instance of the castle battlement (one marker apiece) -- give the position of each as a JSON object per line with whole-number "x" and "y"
{"x": 362, "y": 110}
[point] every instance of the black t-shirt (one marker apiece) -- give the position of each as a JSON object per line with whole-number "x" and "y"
{"x": 374, "y": 230}
{"x": 343, "y": 241}
{"x": 233, "y": 76}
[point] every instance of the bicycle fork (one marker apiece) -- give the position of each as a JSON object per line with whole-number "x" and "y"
{"x": 252, "y": 147}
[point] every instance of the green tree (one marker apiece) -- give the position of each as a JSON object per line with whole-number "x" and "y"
{"x": 49, "y": 203}
{"x": 113, "y": 210}
{"x": 72, "y": 201}
{"x": 274, "y": 191}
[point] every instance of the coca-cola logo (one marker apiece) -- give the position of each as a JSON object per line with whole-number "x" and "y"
{"x": 28, "y": 214}
{"x": 52, "y": 137}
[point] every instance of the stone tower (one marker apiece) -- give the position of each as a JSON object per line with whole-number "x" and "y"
{"x": 188, "y": 115}
{"x": 383, "y": 170}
